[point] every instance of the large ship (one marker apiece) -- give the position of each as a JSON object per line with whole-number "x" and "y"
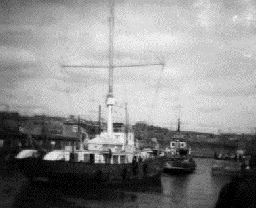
{"x": 110, "y": 157}
{"x": 103, "y": 160}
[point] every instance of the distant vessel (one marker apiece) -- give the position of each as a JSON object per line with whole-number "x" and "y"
{"x": 179, "y": 156}
{"x": 229, "y": 165}
{"x": 224, "y": 167}
{"x": 109, "y": 158}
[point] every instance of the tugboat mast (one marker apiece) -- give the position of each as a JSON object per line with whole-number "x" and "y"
{"x": 178, "y": 128}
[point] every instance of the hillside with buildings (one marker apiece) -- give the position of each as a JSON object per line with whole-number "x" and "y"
{"x": 203, "y": 144}
{"x": 14, "y": 126}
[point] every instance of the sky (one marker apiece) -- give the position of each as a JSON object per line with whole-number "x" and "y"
{"x": 208, "y": 48}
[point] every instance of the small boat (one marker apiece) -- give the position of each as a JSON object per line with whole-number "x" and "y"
{"x": 179, "y": 156}
{"x": 229, "y": 166}
{"x": 225, "y": 167}
{"x": 181, "y": 162}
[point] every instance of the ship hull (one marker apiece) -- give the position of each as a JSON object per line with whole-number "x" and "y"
{"x": 84, "y": 174}
{"x": 179, "y": 166}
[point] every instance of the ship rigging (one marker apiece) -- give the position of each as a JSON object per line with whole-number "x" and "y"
{"x": 110, "y": 100}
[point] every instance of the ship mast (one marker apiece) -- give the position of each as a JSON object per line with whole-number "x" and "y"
{"x": 178, "y": 128}
{"x": 126, "y": 123}
{"x": 110, "y": 101}
{"x": 99, "y": 129}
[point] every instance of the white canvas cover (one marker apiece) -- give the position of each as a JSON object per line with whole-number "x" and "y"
{"x": 26, "y": 153}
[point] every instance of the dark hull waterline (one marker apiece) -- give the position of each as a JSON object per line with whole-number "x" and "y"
{"x": 81, "y": 174}
{"x": 179, "y": 166}
{"x": 177, "y": 171}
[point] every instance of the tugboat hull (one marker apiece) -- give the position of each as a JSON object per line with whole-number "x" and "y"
{"x": 178, "y": 171}
{"x": 179, "y": 166}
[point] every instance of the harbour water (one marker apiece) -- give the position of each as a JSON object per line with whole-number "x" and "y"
{"x": 199, "y": 189}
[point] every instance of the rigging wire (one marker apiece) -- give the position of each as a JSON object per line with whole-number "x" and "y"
{"x": 154, "y": 102}
{"x": 67, "y": 90}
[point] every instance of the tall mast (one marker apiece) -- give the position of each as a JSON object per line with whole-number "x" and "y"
{"x": 99, "y": 130}
{"x": 79, "y": 132}
{"x": 126, "y": 123}
{"x": 111, "y": 47}
{"x": 79, "y": 128}
{"x": 178, "y": 128}
{"x": 110, "y": 97}
{"x": 110, "y": 101}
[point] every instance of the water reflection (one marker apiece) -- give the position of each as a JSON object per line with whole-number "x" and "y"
{"x": 37, "y": 195}
{"x": 175, "y": 188}
{"x": 199, "y": 189}
{"x": 45, "y": 195}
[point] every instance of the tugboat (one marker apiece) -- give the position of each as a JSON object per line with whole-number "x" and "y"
{"x": 109, "y": 158}
{"x": 179, "y": 156}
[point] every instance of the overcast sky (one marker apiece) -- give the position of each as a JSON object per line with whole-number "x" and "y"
{"x": 208, "y": 47}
